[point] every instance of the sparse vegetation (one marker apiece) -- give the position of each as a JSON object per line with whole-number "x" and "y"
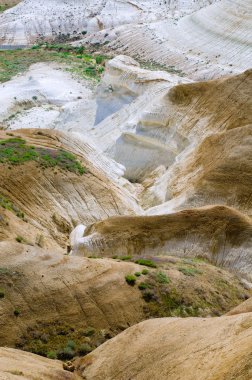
{"x": 8, "y": 205}
{"x": 188, "y": 271}
{"x": 130, "y": 279}
{"x": 15, "y": 151}
{"x": 61, "y": 341}
{"x": 145, "y": 272}
{"x": 146, "y": 262}
{"x": 77, "y": 60}
{"x": 162, "y": 278}
{"x": 2, "y": 293}
{"x": 125, "y": 258}
{"x": 20, "y": 239}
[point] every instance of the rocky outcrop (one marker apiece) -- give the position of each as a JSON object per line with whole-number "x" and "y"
{"x": 184, "y": 349}
{"x": 220, "y": 234}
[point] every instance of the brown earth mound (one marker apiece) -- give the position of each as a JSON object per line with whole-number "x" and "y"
{"x": 181, "y": 349}
{"x": 16, "y": 364}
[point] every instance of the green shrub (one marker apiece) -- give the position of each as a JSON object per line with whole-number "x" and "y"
{"x": 125, "y": 258}
{"x": 20, "y": 239}
{"x": 52, "y": 355}
{"x": 66, "y": 354}
{"x": 130, "y": 279}
{"x": 145, "y": 271}
{"x": 99, "y": 59}
{"x": 16, "y": 312}
{"x": 84, "y": 349}
{"x": 138, "y": 274}
{"x": 71, "y": 344}
{"x": 143, "y": 286}
{"x": 89, "y": 331}
{"x": 146, "y": 262}
{"x": 162, "y": 278}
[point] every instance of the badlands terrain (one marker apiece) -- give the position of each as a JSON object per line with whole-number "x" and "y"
{"x": 125, "y": 190}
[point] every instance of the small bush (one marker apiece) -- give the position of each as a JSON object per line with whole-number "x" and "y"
{"x": 52, "y": 355}
{"x": 138, "y": 274}
{"x": 145, "y": 272}
{"x": 16, "y": 312}
{"x": 20, "y": 239}
{"x": 84, "y": 349}
{"x": 2, "y": 294}
{"x": 143, "y": 286}
{"x": 71, "y": 344}
{"x": 66, "y": 354}
{"x": 125, "y": 258}
{"x": 162, "y": 278}
{"x": 89, "y": 331}
{"x": 99, "y": 59}
{"x": 130, "y": 279}
{"x": 147, "y": 263}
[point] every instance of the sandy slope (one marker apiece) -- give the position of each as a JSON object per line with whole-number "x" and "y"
{"x": 181, "y": 349}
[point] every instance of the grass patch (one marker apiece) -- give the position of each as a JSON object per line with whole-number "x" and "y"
{"x": 8, "y": 205}
{"x": 15, "y": 151}
{"x": 146, "y": 262}
{"x": 162, "y": 278}
{"x": 130, "y": 279}
{"x": 78, "y": 61}
{"x": 189, "y": 271}
{"x": 125, "y": 258}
